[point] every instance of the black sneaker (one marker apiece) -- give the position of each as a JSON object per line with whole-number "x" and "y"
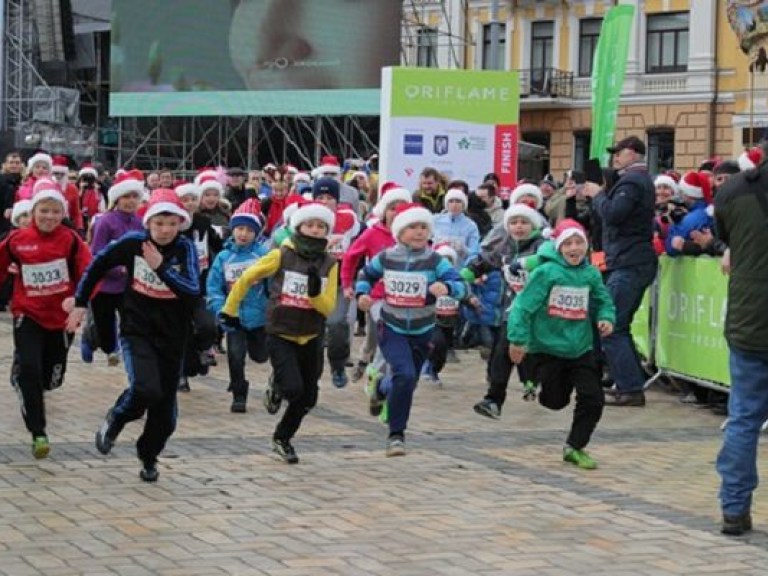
{"x": 736, "y": 525}
{"x": 488, "y": 408}
{"x": 238, "y": 405}
{"x": 105, "y": 439}
{"x": 271, "y": 398}
{"x": 284, "y": 450}
{"x": 184, "y": 384}
{"x": 149, "y": 472}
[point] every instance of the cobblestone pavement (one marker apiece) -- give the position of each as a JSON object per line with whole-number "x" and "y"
{"x": 473, "y": 496}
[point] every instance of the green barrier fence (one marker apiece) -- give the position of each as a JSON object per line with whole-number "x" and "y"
{"x": 683, "y": 332}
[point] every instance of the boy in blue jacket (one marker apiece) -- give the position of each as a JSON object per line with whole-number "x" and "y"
{"x": 241, "y": 251}
{"x": 414, "y": 277}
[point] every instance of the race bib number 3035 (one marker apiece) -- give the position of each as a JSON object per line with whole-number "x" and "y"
{"x": 405, "y": 289}
{"x": 46, "y": 278}
{"x": 568, "y": 302}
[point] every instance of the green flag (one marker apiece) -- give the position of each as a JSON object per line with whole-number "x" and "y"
{"x": 608, "y": 77}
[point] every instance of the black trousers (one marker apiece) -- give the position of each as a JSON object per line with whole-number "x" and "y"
{"x": 442, "y": 340}
{"x": 559, "y": 377}
{"x": 297, "y": 369}
{"x": 105, "y": 308}
{"x": 40, "y": 361}
{"x": 242, "y": 343}
{"x": 500, "y": 368}
{"x": 204, "y": 336}
{"x": 153, "y": 377}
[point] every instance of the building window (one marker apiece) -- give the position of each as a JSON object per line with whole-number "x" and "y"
{"x": 426, "y": 47}
{"x": 542, "y": 44}
{"x": 589, "y": 32}
{"x": 661, "y": 150}
{"x": 501, "y": 59}
{"x": 581, "y": 143}
{"x": 667, "y": 43}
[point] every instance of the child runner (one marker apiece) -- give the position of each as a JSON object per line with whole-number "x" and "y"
{"x": 551, "y": 321}
{"x": 48, "y": 259}
{"x": 302, "y": 294}
{"x": 124, "y": 197}
{"x": 163, "y": 287}
{"x": 211, "y": 193}
{"x": 414, "y": 277}
{"x": 242, "y": 250}
{"x": 506, "y": 248}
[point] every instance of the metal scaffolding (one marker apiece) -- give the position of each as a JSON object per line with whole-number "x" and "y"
{"x": 185, "y": 143}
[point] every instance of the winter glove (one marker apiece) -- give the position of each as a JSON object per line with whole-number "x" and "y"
{"x": 228, "y": 322}
{"x": 314, "y": 284}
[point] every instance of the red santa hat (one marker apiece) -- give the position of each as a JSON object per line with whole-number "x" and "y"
{"x": 87, "y": 169}
{"x": 665, "y": 180}
{"x": 329, "y": 166}
{"x": 209, "y": 181}
{"x": 409, "y": 214}
{"x": 46, "y": 189}
{"x": 294, "y": 203}
{"x": 447, "y": 251}
{"x": 313, "y": 211}
{"x": 565, "y": 229}
{"x": 526, "y": 189}
{"x": 750, "y": 158}
{"x": 456, "y": 194}
{"x": 60, "y": 165}
{"x": 126, "y": 183}
{"x": 347, "y": 220}
{"x": 301, "y": 177}
{"x": 390, "y": 193}
{"x": 696, "y": 185}
{"x": 19, "y": 209}
{"x": 165, "y": 201}
{"x": 188, "y": 189}
{"x": 40, "y": 157}
{"x": 523, "y": 211}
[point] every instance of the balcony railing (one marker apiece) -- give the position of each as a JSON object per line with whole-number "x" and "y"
{"x": 546, "y": 83}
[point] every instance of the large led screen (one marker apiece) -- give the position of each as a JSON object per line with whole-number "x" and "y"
{"x": 251, "y": 57}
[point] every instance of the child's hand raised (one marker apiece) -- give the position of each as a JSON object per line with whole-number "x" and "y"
{"x": 605, "y": 328}
{"x": 438, "y": 289}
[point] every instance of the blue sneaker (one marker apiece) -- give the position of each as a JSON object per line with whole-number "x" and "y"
{"x": 339, "y": 378}
{"x": 86, "y": 352}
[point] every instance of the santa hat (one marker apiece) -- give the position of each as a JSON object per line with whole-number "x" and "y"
{"x": 565, "y": 229}
{"x": 290, "y": 169}
{"x": 749, "y": 159}
{"x": 165, "y": 201}
{"x": 87, "y": 169}
{"x": 188, "y": 189}
{"x": 40, "y": 157}
{"x": 696, "y": 185}
{"x": 409, "y": 214}
{"x": 302, "y": 177}
{"x": 329, "y": 165}
{"x": 209, "y": 182}
{"x": 664, "y": 180}
{"x": 248, "y": 214}
{"x": 456, "y": 194}
{"x": 445, "y": 250}
{"x": 523, "y": 211}
{"x": 19, "y": 209}
{"x": 674, "y": 174}
{"x": 313, "y": 211}
{"x": 60, "y": 165}
{"x": 354, "y": 175}
{"x": 527, "y": 190}
{"x": 126, "y": 183}
{"x": 206, "y": 173}
{"x": 293, "y": 204}
{"x": 388, "y": 196}
{"x": 46, "y": 189}
{"x": 269, "y": 167}
{"x": 347, "y": 220}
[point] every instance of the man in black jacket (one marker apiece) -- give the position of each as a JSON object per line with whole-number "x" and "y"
{"x": 741, "y": 220}
{"x": 627, "y": 212}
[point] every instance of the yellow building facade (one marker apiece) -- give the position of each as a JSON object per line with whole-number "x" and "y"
{"x": 688, "y": 91}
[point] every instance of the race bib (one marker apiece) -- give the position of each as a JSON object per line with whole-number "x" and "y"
{"x": 233, "y": 271}
{"x": 337, "y": 245}
{"x": 46, "y": 278}
{"x": 516, "y": 282}
{"x": 405, "y": 289}
{"x": 569, "y": 302}
{"x": 147, "y": 282}
{"x": 447, "y": 306}
{"x": 294, "y": 292}
{"x": 201, "y": 246}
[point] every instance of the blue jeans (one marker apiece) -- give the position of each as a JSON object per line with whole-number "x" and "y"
{"x": 240, "y": 343}
{"x": 627, "y": 287}
{"x": 405, "y": 355}
{"x": 747, "y": 410}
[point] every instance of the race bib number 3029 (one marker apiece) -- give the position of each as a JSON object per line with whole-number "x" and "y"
{"x": 46, "y": 278}
{"x": 405, "y": 289}
{"x": 569, "y": 302}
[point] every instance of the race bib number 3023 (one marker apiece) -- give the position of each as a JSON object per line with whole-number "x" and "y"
{"x": 568, "y": 302}
{"x": 405, "y": 289}
{"x": 46, "y": 278}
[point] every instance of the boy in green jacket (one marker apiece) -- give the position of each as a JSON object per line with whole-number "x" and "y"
{"x": 551, "y": 321}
